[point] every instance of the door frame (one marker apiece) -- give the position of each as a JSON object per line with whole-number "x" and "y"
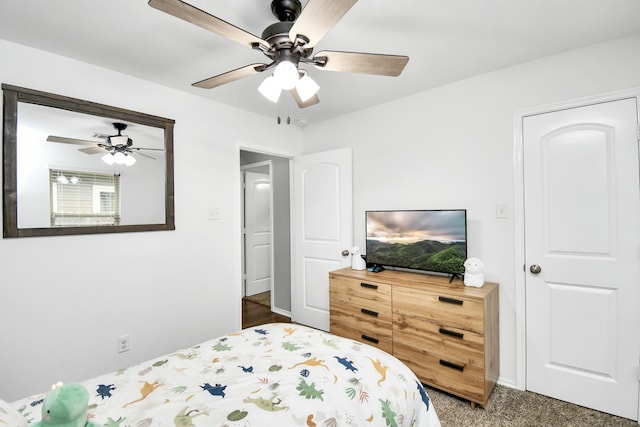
{"x": 271, "y": 151}
{"x": 519, "y": 220}
{"x": 243, "y": 204}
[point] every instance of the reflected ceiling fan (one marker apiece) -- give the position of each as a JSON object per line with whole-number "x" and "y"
{"x": 119, "y": 147}
{"x": 288, "y": 43}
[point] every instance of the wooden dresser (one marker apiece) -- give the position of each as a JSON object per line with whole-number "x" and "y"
{"x": 447, "y": 333}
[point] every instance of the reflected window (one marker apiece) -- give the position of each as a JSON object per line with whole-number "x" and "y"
{"x": 84, "y": 199}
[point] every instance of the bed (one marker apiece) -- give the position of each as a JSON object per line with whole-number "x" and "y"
{"x": 271, "y": 375}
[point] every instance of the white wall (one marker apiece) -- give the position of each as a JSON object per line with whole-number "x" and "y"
{"x": 64, "y": 300}
{"x": 452, "y": 147}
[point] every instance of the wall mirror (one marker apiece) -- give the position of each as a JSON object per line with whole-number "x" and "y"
{"x": 77, "y": 167}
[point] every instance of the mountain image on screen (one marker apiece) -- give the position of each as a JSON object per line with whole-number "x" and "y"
{"x": 419, "y": 240}
{"x": 426, "y": 255}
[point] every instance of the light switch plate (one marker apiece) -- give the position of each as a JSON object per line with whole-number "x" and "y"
{"x": 502, "y": 211}
{"x": 213, "y": 214}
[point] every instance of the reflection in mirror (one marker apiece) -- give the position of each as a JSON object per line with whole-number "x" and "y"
{"x": 75, "y": 167}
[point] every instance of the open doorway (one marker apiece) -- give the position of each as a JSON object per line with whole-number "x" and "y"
{"x": 270, "y": 238}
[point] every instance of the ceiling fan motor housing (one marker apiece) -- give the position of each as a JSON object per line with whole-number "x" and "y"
{"x": 277, "y": 35}
{"x": 119, "y": 140}
{"x": 286, "y": 10}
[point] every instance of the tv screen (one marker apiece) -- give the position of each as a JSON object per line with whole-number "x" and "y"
{"x": 429, "y": 240}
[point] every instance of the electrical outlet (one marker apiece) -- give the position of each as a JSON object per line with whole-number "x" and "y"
{"x": 123, "y": 343}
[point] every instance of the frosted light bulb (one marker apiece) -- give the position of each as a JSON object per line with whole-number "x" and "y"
{"x": 108, "y": 159}
{"x": 119, "y": 158}
{"x": 306, "y": 88}
{"x": 286, "y": 75}
{"x": 270, "y": 89}
{"x": 129, "y": 160}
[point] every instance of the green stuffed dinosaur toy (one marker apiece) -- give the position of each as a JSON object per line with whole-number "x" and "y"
{"x": 65, "y": 406}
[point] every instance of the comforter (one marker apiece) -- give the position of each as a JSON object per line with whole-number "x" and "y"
{"x": 271, "y": 375}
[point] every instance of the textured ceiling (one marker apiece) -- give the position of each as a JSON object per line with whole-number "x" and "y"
{"x": 445, "y": 40}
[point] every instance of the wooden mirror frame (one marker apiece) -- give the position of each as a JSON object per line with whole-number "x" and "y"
{"x": 12, "y": 95}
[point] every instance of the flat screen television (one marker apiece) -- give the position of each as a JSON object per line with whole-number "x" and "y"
{"x": 427, "y": 240}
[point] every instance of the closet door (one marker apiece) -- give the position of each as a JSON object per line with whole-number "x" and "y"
{"x": 582, "y": 234}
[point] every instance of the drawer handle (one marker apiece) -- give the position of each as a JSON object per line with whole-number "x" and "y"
{"x": 369, "y": 312}
{"x": 451, "y": 365}
{"x": 451, "y": 333}
{"x": 450, "y": 300}
{"x": 368, "y": 338}
{"x": 366, "y": 285}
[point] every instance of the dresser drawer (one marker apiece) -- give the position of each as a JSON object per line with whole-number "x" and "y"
{"x": 373, "y": 335}
{"x": 464, "y": 378}
{"x": 454, "y": 311}
{"x": 439, "y": 339}
{"x": 354, "y": 290}
{"x": 372, "y": 313}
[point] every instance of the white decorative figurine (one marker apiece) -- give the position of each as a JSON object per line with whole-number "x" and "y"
{"x": 474, "y": 272}
{"x": 357, "y": 263}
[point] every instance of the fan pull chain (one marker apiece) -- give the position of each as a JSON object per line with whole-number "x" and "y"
{"x": 288, "y": 102}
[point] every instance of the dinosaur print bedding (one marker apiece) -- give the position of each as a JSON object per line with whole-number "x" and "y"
{"x": 272, "y": 375}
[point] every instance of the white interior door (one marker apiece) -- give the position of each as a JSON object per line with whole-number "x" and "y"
{"x": 257, "y": 232}
{"x": 582, "y": 210}
{"x": 323, "y": 230}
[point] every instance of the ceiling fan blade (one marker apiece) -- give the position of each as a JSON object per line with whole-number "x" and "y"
{"x": 198, "y": 17}
{"x": 317, "y": 18}
{"x": 363, "y": 63}
{"x": 147, "y": 149}
{"x": 65, "y": 140}
{"x": 144, "y": 155}
{"x": 92, "y": 150}
{"x": 229, "y": 76}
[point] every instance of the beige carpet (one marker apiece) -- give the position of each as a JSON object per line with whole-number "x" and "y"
{"x": 511, "y": 407}
{"x": 263, "y": 298}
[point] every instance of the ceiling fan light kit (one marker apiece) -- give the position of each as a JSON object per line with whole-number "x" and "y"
{"x": 305, "y": 88}
{"x": 119, "y": 158}
{"x": 288, "y": 43}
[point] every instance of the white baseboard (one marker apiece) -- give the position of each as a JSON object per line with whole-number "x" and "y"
{"x": 508, "y": 383}
{"x": 281, "y": 312}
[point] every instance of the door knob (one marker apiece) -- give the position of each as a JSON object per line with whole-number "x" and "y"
{"x": 346, "y": 252}
{"x": 535, "y": 269}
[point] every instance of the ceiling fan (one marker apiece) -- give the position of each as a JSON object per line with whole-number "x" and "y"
{"x": 286, "y": 44}
{"x": 118, "y": 147}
